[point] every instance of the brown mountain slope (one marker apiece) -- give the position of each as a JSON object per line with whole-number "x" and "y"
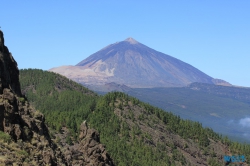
{"x": 135, "y": 65}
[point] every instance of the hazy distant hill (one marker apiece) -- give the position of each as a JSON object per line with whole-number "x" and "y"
{"x": 135, "y": 65}
{"x": 223, "y": 108}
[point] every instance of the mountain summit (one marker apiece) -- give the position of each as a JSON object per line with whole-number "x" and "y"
{"x": 131, "y": 40}
{"x": 133, "y": 64}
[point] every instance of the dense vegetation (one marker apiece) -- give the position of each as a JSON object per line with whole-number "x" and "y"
{"x": 134, "y": 132}
{"x": 63, "y": 102}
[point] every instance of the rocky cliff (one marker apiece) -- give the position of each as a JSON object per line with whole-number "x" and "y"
{"x": 29, "y": 142}
{"x": 8, "y": 69}
{"x": 88, "y": 151}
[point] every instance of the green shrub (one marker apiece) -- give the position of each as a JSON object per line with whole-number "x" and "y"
{"x": 21, "y": 99}
{"x": 5, "y": 137}
{"x": 23, "y": 153}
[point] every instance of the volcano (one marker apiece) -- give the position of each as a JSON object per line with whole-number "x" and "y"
{"x": 135, "y": 65}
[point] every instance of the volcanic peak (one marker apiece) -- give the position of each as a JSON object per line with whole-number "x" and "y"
{"x": 131, "y": 40}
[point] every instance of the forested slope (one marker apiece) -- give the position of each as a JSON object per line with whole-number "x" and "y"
{"x": 59, "y": 98}
{"x": 134, "y": 132}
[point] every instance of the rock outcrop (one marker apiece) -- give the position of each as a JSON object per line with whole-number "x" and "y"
{"x": 19, "y": 120}
{"x": 9, "y": 73}
{"x": 88, "y": 151}
{"x": 30, "y": 140}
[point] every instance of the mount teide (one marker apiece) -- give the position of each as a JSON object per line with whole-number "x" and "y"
{"x": 135, "y": 65}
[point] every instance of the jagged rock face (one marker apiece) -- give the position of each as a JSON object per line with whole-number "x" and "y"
{"x": 89, "y": 151}
{"x": 10, "y": 107}
{"x": 23, "y": 123}
{"x": 9, "y": 73}
{"x": 18, "y": 119}
{"x": 95, "y": 153}
{"x": 15, "y": 115}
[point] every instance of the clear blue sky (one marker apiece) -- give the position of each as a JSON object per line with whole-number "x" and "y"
{"x": 213, "y": 36}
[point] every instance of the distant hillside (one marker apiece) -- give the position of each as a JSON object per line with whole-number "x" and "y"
{"x": 237, "y": 93}
{"x": 134, "y": 133}
{"x": 219, "y": 107}
{"x": 135, "y": 65}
